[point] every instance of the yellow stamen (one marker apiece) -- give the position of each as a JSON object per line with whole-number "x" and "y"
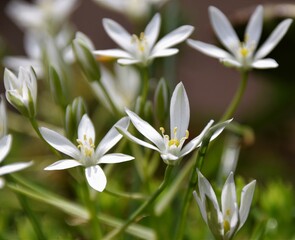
{"x": 244, "y": 51}
{"x": 226, "y": 226}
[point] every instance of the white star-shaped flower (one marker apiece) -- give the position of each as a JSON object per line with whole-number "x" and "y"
{"x": 142, "y": 49}
{"x": 85, "y": 154}
{"x": 242, "y": 55}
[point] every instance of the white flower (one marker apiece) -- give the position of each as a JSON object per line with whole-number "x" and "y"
{"x": 224, "y": 222}
{"x": 242, "y": 55}
{"x": 85, "y": 153}
{"x": 171, "y": 148}
{"x": 142, "y": 49}
{"x": 21, "y": 91}
{"x": 123, "y": 86}
{"x": 135, "y": 9}
{"x": 5, "y": 145}
{"x": 43, "y": 15}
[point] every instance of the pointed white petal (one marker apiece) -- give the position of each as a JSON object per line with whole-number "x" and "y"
{"x": 5, "y": 145}
{"x": 273, "y": 39}
{"x": 202, "y": 206}
{"x": 126, "y": 61}
{"x": 126, "y": 134}
{"x": 112, "y": 137}
{"x": 151, "y": 31}
{"x": 246, "y": 200}
{"x": 231, "y": 62}
{"x": 14, "y": 167}
{"x": 196, "y": 142}
{"x": 86, "y": 128}
{"x": 146, "y": 129}
{"x": 60, "y": 143}
{"x": 164, "y": 53}
{"x": 116, "y": 53}
{"x": 178, "y": 35}
{"x": 63, "y": 164}
{"x": 223, "y": 29}
{"x": 254, "y": 28}
{"x": 115, "y": 158}
{"x": 265, "y": 63}
{"x": 117, "y": 33}
{"x": 208, "y": 49}
{"x": 217, "y": 129}
{"x": 179, "y": 111}
{"x": 96, "y": 178}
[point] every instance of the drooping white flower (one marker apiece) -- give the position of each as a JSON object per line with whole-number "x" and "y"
{"x": 242, "y": 55}
{"x": 142, "y": 49}
{"x": 171, "y": 148}
{"x": 5, "y": 146}
{"x": 224, "y": 222}
{"x": 85, "y": 154}
{"x": 21, "y": 91}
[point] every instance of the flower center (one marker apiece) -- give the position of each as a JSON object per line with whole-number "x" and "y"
{"x": 174, "y": 141}
{"x": 86, "y": 145}
{"x": 244, "y": 51}
{"x": 140, "y": 41}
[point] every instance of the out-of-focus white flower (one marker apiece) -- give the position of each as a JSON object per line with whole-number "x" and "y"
{"x": 21, "y": 91}
{"x": 142, "y": 49}
{"x": 122, "y": 86}
{"x": 171, "y": 148}
{"x": 42, "y": 15}
{"x": 242, "y": 55}
{"x": 224, "y": 222}
{"x": 135, "y": 9}
{"x": 85, "y": 153}
{"x": 5, "y": 146}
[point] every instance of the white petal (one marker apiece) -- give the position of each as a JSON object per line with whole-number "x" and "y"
{"x": 60, "y": 143}
{"x": 231, "y": 62}
{"x": 151, "y": 31}
{"x": 201, "y": 205}
{"x": 63, "y": 164}
{"x": 10, "y": 80}
{"x": 196, "y": 142}
{"x": 208, "y": 49}
{"x": 96, "y": 178}
{"x": 164, "y": 53}
{"x": 14, "y": 167}
{"x": 117, "y": 33}
{"x": 273, "y": 39}
{"x": 254, "y": 28}
{"x": 115, "y": 158}
{"x": 5, "y": 145}
{"x": 116, "y": 53}
{"x": 246, "y": 200}
{"x": 146, "y": 130}
{"x": 178, "y": 35}
{"x": 223, "y": 29}
{"x": 86, "y": 128}
{"x": 126, "y": 134}
{"x": 265, "y": 63}
{"x": 179, "y": 111}
{"x": 112, "y": 137}
{"x": 126, "y": 61}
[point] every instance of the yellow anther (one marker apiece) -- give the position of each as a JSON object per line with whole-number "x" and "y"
{"x": 141, "y": 36}
{"x": 173, "y": 141}
{"x": 226, "y": 226}
{"x": 162, "y": 130}
{"x": 244, "y": 51}
{"x": 186, "y": 134}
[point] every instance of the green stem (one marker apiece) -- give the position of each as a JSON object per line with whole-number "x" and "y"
{"x": 144, "y": 89}
{"x": 31, "y": 216}
{"x": 192, "y": 185}
{"x": 114, "y": 234}
{"x": 237, "y": 97}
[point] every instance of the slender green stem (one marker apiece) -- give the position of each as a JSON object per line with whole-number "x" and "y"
{"x": 237, "y": 97}
{"x": 192, "y": 185}
{"x": 114, "y": 234}
{"x": 144, "y": 89}
{"x": 136, "y": 196}
{"x": 31, "y": 216}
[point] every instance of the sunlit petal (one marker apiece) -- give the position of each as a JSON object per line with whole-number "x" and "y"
{"x": 96, "y": 178}
{"x": 14, "y": 167}
{"x": 115, "y": 158}
{"x": 63, "y": 164}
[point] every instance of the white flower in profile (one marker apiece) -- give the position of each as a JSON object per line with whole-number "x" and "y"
{"x": 225, "y": 222}
{"x": 85, "y": 154}
{"x": 42, "y": 14}
{"x": 122, "y": 86}
{"x": 242, "y": 55}
{"x": 171, "y": 148}
{"x": 142, "y": 49}
{"x": 5, "y": 146}
{"x": 21, "y": 91}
